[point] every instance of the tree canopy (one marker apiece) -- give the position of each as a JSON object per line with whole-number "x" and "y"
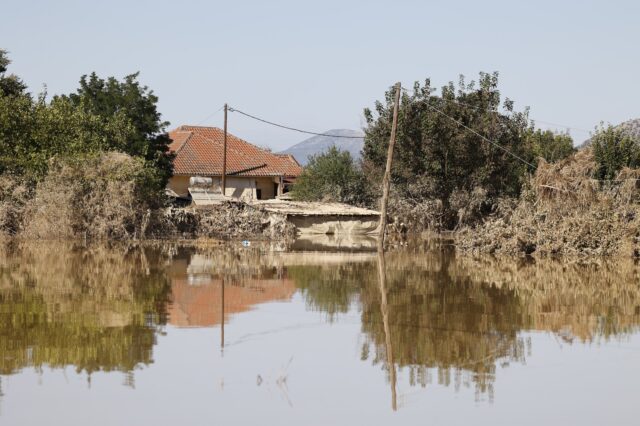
{"x": 10, "y": 85}
{"x": 466, "y": 137}
{"x": 103, "y": 115}
{"x": 110, "y": 97}
{"x": 332, "y": 176}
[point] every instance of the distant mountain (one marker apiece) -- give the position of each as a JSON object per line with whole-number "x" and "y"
{"x": 630, "y": 127}
{"x": 318, "y": 144}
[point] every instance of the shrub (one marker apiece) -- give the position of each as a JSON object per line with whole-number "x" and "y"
{"x": 614, "y": 149}
{"x": 14, "y": 195}
{"x": 549, "y": 145}
{"x": 333, "y": 177}
{"x": 94, "y": 197}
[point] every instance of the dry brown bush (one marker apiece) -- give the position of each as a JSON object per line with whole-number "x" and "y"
{"x": 14, "y": 195}
{"x": 416, "y": 210}
{"x": 565, "y": 211}
{"x": 108, "y": 196}
{"x": 95, "y": 197}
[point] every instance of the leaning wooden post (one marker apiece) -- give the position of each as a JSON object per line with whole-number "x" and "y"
{"x": 387, "y": 173}
{"x": 224, "y": 154}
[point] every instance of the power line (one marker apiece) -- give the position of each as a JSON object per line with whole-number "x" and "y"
{"x": 362, "y": 137}
{"x": 210, "y": 115}
{"x": 293, "y": 128}
{"x": 532, "y": 119}
{"x": 483, "y": 137}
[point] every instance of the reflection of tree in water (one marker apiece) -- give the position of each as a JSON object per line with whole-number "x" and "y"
{"x": 585, "y": 302}
{"x": 453, "y": 320}
{"x": 331, "y": 288}
{"x": 96, "y": 309}
{"x": 456, "y": 327}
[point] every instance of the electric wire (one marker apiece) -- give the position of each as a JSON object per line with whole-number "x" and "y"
{"x": 532, "y": 119}
{"x": 362, "y": 137}
{"x": 292, "y": 128}
{"x": 497, "y": 145}
{"x": 210, "y": 116}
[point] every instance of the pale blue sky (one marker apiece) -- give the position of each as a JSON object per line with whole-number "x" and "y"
{"x": 316, "y": 65}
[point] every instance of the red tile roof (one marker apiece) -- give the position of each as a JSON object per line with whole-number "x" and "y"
{"x": 199, "y": 153}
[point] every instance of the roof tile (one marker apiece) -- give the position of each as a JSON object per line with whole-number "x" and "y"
{"x": 199, "y": 153}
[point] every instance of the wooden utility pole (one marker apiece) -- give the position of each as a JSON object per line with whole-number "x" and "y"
{"x": 386, "y": 181}
{"x": 224, "y": 154}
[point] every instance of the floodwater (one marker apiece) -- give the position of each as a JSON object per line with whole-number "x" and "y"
{"x": 168, "y": 334}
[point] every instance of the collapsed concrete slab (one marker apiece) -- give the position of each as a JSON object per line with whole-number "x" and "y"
{"x": 323, "y": 218}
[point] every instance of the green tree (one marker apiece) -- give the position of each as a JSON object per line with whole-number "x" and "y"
{"x": 614, "y": 149}
{"x": 10, "y": 85}
{"x": 34, "y": 131}
{"x": 108, "y": 97}
{"x": 332, "y": 176}
{"x": 435, "y": 152}
{"x": 549, "y": 145}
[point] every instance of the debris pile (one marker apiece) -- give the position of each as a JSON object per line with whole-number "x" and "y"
{"x": 227, "y": 220}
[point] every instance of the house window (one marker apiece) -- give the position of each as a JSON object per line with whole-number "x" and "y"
{"x": 258, "y": 193}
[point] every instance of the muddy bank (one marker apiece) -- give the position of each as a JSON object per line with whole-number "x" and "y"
{"x": 563, "y": 211}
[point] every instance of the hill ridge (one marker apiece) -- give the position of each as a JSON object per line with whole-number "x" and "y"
{"x": 318, "y": 144}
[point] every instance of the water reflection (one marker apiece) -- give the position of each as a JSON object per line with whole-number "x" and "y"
{"x": 384, "y": 311}
{"x": 94, "y": 309}
{"x": 427, "y": 316}
{"x": 206, "y": 288}
{"x": 453, "y": 320}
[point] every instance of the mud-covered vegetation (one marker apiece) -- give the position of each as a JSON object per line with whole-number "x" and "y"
{"x": 565, "y": 210}
{"x": 457, "y": 152}
{"x": 93, "y": 165}
{"x": 587, "y": 204}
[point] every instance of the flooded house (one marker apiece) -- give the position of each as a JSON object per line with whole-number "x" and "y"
{"x": 252, "y": 173}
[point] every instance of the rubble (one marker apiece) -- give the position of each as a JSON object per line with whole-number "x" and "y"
{"x": 226, "y": 220}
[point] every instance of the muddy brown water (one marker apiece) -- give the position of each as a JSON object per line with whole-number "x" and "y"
{"x": 168, "y": 334}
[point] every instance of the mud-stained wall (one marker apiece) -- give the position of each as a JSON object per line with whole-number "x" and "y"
{"x": 179, "y": 185}
{"x": 241, "y": 188}
{"x": 266, "y": 187}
